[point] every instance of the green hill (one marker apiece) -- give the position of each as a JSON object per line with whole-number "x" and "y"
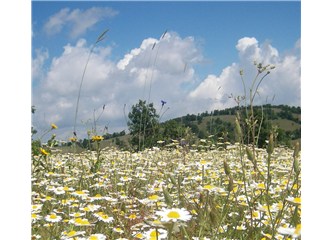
{"x": 284, "y": 119}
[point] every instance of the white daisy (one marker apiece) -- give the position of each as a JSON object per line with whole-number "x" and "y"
{"x": 97, "y": 236}
{"x": 174, "y": 214}
{"x": 53, "y": 218}
{"x": 151, "y": 234}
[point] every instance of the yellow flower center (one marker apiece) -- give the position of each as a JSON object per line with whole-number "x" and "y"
{"x": 132, "y": 216}
{"x": 53, "y": 216}
{"x": 93, "y": 238}
{"x": 173, "y": 214}
{"x": 203, "y": 162}
{"x": 153, "y": 197}
{"x": 208, "y": 187}
{"x": 71, "y": 233}
{"x": 261, "y": 186}
{"x": 298, "y": 229}
{"x": 139, "y": 235}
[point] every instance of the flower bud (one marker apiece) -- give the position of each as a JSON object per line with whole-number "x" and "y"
{"x": 230, "y": 184}
{"x": 296, "y": 150}
{"x": 249, "y": 154}
{"x": 226, "y": 168}
{"x": 270, "y": 146}
{"x": 239, "y": 134}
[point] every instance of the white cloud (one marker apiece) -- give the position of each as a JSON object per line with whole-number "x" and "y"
{"x": 38, "y": 63}
{"x": 78, "y": 21}
{"x": 164, "y": 71}
{"x": 282, "y": 85}
{"x": 152, "y": 73}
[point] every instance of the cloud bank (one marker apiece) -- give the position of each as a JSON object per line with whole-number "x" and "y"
{"x": 158, "y": 69}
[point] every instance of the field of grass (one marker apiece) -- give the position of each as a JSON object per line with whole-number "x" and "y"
{"x": 167, "y": 193}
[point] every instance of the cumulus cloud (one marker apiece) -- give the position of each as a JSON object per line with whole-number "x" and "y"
{"x": 157, "y": 69}
{"x": 281, "y": 86}
{"x": 38, "y": 63}
{"x": 77, "y": 21}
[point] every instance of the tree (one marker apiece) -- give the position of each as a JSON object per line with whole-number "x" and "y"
{"x": 143, "y": 125}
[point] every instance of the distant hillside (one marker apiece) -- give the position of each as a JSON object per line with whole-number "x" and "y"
{"x": 216, "y": 124}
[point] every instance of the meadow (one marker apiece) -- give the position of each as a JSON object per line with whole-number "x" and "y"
{"x": 211, "y": 191}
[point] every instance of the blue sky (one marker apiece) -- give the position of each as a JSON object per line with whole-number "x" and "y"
{"x": 211, "y": 41}
{"x": 219, "y": 25}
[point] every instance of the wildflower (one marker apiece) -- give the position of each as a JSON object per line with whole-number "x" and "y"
{"x": 97, "y": 236}
{"x": 44, "y": 152}
{"x": 53, "y": 218}
{"x": 153, "y": 235}
{"x": 174, "y": 214}
{"x": 132, "y": 216}
{"x": 53, "y": 126}
{"x": 154, "y": 198}
{"x": 105, "y": 218}
{"x": 71, "y": 234}
{"x": 204, "y": 163}
{"x": 294, "y": 232}
{"x": 138, "y": 235}
{"x": 208, "y": 187}
{"x": 125, "y": 179}
{"x": 73, "y": 139}
{"x": 90, "y": 208}
{"x": 80, "y": 222}
{"x": 97, "y": 138}
{"x": 76, "y": 214}
{"x": 35, "y": 217}
{"x": 296, "y": 201}
{"x": 36, "y": 207}
{"x": 241, "y": 227}
{"x": 82, "y": 194}
{"x": 59, "y": 190}
{"x": 118, "y": 230}
{"x": 261, "y": 186}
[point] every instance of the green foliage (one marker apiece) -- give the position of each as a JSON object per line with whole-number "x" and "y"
{"x": 143, "y": 125}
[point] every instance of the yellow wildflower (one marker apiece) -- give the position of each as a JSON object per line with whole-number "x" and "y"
{"x": 97, "y": 138}
{"x": 44, "y": 152}
{"x": 53, "y": 126}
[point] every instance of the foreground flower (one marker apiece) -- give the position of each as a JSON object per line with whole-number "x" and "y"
{"x": 294, "y": 232}
{"x": 53, "y": 218}
{"x": 71, "y": 234}
{"x": 174, "y": 214}
{"x": 153, "y": 235}
{"x": 35, "y": 217}
{"x": 97, "y": 236}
